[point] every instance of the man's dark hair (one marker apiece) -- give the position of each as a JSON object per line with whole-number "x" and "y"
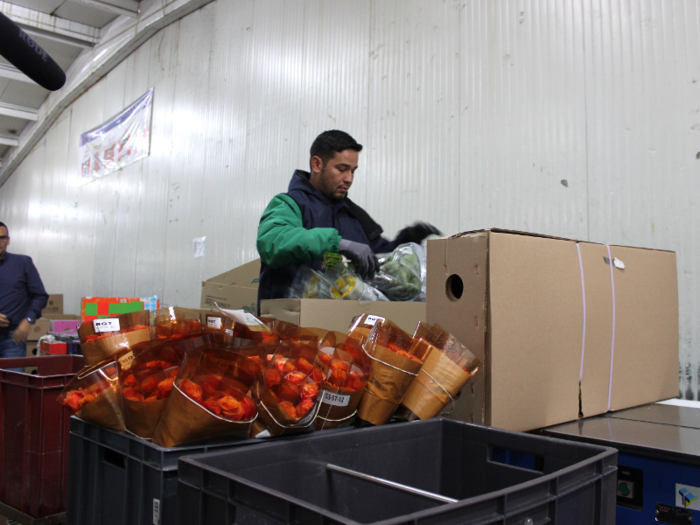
{"x": 329, "y": 142}
{"x": 5, "y": 225}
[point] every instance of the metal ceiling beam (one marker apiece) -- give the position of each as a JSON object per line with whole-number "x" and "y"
{"x": 10, "y": 110}
{"x": 48, "y": 26}
{"x": 13, "y": 73}
{"x": 126, "y": 8}
{"x": 9, "y": 140}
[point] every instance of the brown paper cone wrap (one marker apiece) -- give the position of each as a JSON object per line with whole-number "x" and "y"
{"x": 105, "y": 410}
{"x": 185, "y": 422}
{"x": 330, "y": 416}
{"x": 278, "y": 422}
{"x": 141, "y": 417}
{"x": 426, "y": 398}
{"x": 97, "y": 351}
{"x": 386, "y": 386}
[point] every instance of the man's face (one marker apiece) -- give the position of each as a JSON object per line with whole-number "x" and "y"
{"x": 335, "y": 178}
{"x": 4, "y": 241}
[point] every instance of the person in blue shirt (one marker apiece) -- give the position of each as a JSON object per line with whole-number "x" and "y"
{"x": 22, "y": 298}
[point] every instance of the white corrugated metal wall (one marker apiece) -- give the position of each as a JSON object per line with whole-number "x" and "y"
{"x": 572, "y": 118}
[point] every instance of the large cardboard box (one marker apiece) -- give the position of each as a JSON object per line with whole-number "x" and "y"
{"x": 338, "y": 314}
{"x": 54, "y": 305}
{"x": 236, "y": 289}
{"x": 561, "y": 331}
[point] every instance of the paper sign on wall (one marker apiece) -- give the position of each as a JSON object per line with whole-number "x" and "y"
{"x": 123, "y": 139}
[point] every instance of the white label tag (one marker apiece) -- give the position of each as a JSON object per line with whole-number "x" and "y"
{"x": 337, "y": 400}
{"x": 156, "y": 511}
{"x": 214, "y": 322}
{"x": 228, "y": 331}
{"x": 617, "y": 263}
{"x": 243, "y": 317}
{"x": 371, "y": 320}
{"x": 106, "y": 325}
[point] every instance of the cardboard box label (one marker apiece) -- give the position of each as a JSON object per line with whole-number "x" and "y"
{"x": 106, "y": 325}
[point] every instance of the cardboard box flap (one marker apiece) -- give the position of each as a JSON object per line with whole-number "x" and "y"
{"x": 246, "y": 275}
{"x": 457, "y": 295}
{"x": 645, "y": 366}
{"x": 509, "y": 232}
{"x": 535, "y": 321}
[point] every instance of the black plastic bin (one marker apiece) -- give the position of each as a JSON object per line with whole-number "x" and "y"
{"x": 494, "y": 476}
{"x": 115, "y": 478}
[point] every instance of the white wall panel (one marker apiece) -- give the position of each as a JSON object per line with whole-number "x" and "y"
{"x": 572, "y": 118}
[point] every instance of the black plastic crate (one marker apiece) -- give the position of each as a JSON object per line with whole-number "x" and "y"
{"x": 115, "y": 478}
{"x": 493, "y": 476}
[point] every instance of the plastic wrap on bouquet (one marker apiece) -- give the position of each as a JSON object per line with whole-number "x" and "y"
{"x": 402, "y": 273}
{"x": 146, "y": 378}
{"x": 395, "y": 365}
{"x": 347, "y": 369}
{"x": 102, "y": 338}
{"x": 174, "y": 323}
{"x": 288, "y": 398}
{"x": 448, "y": 367}
{"x": 209, "y": 401}
{"x": 92, "y": 396}
{"x": 309, "y": 284}
{"x": 346, "y": 284}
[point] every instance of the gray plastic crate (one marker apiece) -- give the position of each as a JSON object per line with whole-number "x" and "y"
{"x": 493, "y": 476}
{"x": 115, "y": 478}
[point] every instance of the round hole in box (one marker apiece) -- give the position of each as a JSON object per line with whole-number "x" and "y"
{"x": 454, "y": 287}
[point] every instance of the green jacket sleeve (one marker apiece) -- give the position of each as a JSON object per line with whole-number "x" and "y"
{"x": 283, "y": 240}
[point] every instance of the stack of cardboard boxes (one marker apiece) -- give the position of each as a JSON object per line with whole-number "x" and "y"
{"x": 52, "y": 320}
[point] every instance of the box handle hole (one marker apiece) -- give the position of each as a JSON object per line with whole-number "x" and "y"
{"x": 517, "y": 458}
{"x": 454, "y": 287}
{"x": 114, "y": 458}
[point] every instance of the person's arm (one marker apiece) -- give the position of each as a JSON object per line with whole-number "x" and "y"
{"x": 38, "y": 299}
{"x": 283, "y": 240}
{"x": 36, "y": 291}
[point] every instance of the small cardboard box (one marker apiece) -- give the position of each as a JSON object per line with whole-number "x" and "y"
{"x": 54, "y": 306}
{"x": 338, "y": 314}
{"x": 561, "y": 331}
{"x": 42, "y": 326}
{"x": 230, "y": 297}
{"x": 236, "y": 289}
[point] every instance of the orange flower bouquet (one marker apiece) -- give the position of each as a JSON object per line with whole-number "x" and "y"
{"x": 347, "y": 369}
{"x": 146, "y": 377}
{"x": 395, "y": 364}
{"x": 288, "y": 397}
{"x": 209, "y": 400}
{"x": 174, "y": 323}
{"x": 102, "y": 338}
{"x": 92, "y": 396}
{"x": 448, "y": 367}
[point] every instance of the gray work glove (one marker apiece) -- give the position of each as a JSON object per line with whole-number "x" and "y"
{"x": 362, "y": 257}
{"x": 416, "y": 233}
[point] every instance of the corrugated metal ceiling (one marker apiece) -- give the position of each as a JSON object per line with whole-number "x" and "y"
{"x": 64, "y": 29}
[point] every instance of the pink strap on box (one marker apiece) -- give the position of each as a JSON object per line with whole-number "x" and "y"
{"x": 612, "y": 347}
{"x": 583, "y": 289}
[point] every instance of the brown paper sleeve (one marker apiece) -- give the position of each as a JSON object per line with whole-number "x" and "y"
{"x": 185, "y": 422}
{"x": 425, "y": 398}
{"x": 105, "y": 410}
{"x": 141, "y": 417}
{"x": 330, "y": 416}
{"x": 96, "y": 351}
{"x": 386, "y": 386}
